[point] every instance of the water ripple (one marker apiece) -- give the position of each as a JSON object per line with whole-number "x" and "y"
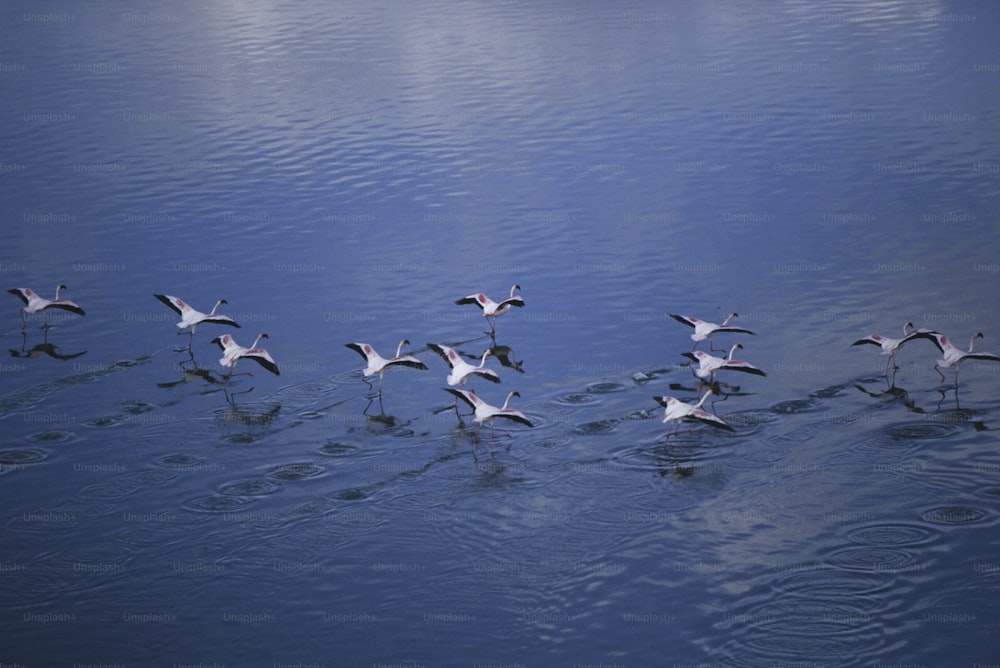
{"x": 953, "y": 515}
{"x": 891, "y": 534}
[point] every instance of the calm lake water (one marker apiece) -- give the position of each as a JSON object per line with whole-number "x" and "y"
{"x": 343, "y": 172}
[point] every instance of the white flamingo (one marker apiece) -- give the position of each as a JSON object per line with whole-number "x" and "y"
{"x": 678, "y": 410}
{"x": 487, "y": 413}
{"x": 708, "y": 365}
{"x": 378, "y": 365}
{"x": 191, "y": 318}
{"x": 233, "y": 353}
{"x": 891, "y": 346}
{"x": 704, "y": 330}
{"x": 462, "y": 371}
{"x": 34, "y": 303}
{"x": 952, "y": 356}
{"x": 491, "y": 309}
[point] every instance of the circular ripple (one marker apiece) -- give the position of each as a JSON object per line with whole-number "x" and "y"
{"x": 577, "y": 399}
{"x": 150, "y": 476}
{"x": 593, "y": 428}
{"x": 108, "y": 421}
{"x": 890, "y": 534}
{"x": 337, "y": 449}
{"x": 873, "y": 558}
{"x": 179, "y": 459}
{"x": 13, "y": 458}
{"x": 792, "y": 406}
{"x": 312, "y": 415}
{"x": 605, "y": 388}
{"x": 254, "y": 487}
{"x": 953, "y": 515}
{"x": 217, "y": 503}
{"x": 910, "y": 432}
{"x": 751, "y": 418}
{"x": 54, "y": 436}
{"x": 297, "y": 471}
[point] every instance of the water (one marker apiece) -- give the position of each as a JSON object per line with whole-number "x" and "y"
{"x": 342, "y": 173}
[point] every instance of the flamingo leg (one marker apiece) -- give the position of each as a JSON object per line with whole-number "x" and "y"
{"x": 942, "y": 375}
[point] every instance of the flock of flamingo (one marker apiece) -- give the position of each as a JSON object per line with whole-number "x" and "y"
{"x": 704, "y": 365}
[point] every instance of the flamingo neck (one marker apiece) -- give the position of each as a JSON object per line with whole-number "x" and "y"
{"x": 486, "y": 354}
{"x": 255, "y": 341}
{"x": 58, "y": 288}
{"x": 215, "y": 307}
{"x": 399, "y": 348}
{"x": 702, "y": 400}
{"x": 728, "y": 318}
{"x": 972, "y": 341}
{"x": 731, "y": 351}
{"x": 506, "y": 401}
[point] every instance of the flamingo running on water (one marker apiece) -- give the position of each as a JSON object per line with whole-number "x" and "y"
{"x": 487, "y": 413}
{"x": 461, "y": 370}
{"x": 378, "y": 365}
{"x": 34, "y": 303}
{"x": 678, "y": 410}
{"x": 952, "y": 356}
{"x": 491, "y": 309}
{"x": 891, "y": 346}
{"x": 233, "y": 353}
{"x": 704, "y": 330}
{"x": 190, "y": 318}
{"x": 708, "y": 365}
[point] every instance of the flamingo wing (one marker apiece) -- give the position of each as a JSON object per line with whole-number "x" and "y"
{"x": 407, "y": 360}
{"x": 447, "y": 354}
{"x": 360, "y": 348}
{"x": 733, "y": 328}
{"x": 708, "y": 418}
{"x": 24, "y": 293}
{"x": 220, "y": 320}
{"x": 263, "y": 358}
{"x": 464, "y": 395}
{"x": 981, "y": 356}
{"x": 515, "y": 415}
{"x": 516, "y": 300}
{"x": 175, "y": 303}
{"x": 690, "y": 322}
{"x": 874, "y": 339}
{"x": 66, "y": 305}
{"x": 740, "y": 365}
{"x": 477, "y": 299}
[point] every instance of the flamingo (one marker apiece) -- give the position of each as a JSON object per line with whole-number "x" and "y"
{"x": 891, "y": 346}
{"x": 461, "y": 370}
{"x": 34, "y": 303}
{"x": 379, "y": 365}
{"x": 486, "y": 412}
{"x": 678, "y": 410}
{"x": 708, "y": 365}
{"x": 953, "y": 356}
{"x": 491, "y": 309}
{"x": 191, "y": 318}
{"x": 704, "y": 330}
{"x": 233, "y": 353}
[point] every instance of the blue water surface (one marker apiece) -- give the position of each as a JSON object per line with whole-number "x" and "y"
{"x": 344, "y": 172}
